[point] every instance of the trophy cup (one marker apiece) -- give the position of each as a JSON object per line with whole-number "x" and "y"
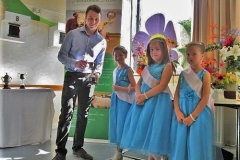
{"x": 22, "y": 76}
{"x": 91, "y": 80}
{"x": 6, "y": 79}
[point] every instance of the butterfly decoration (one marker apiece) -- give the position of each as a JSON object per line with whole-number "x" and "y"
{"x": 155, "y": 27}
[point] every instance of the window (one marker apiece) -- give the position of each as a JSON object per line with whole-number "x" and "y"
{"x": 61, "y": 37}
{"x": 173, "y": 10}
{"x": 14, "y": 30}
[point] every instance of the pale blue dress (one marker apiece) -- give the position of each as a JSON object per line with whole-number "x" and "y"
{"x": 196, "y": 141}
{"x": 147, "y": 127}
{"x": 118, "y": 108}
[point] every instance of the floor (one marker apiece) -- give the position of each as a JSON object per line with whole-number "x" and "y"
{"x": 99, "y": 149}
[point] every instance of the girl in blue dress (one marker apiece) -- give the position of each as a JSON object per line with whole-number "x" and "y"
{"x": 192, "y": 125}
{"x": 147, "y": 126}
{"x": 121, "y": 99}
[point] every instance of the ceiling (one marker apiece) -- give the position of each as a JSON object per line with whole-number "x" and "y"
{"x": 58, "y": 6}
{"x": 52, "y": 5}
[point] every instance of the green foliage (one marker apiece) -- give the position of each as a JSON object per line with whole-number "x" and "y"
{"x": 213, "y": 47}
{"x": 182, "y": 50}
{"x": 186, "y": 24}
{"x": 184, "y": 63}
{"x": 232, "y": 64}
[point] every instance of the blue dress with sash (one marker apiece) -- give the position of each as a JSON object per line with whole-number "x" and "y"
{"x": 193, "y": 142}
{"x": 147, "y": 127}
{"x": 118, "y": 107}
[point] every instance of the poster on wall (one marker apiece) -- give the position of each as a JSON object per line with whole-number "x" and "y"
{"x": 110, "y": 29}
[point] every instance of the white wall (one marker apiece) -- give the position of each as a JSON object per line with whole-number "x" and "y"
{"x": 35, "y": 57}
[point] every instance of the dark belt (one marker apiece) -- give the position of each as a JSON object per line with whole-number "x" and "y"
{"x": 78, "y": 74}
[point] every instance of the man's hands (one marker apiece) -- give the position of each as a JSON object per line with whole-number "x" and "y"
{"x": 97, "y": 75}
{"x": 81, "y": 64}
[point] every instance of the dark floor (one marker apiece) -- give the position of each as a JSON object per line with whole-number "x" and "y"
{"x": 99, "y": 149}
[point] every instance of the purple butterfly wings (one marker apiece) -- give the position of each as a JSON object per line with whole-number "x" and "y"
{"x": 156, "y": 25}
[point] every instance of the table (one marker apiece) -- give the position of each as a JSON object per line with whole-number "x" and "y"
{"x": 25, "y": 116}
{"x": 232, "y": 103}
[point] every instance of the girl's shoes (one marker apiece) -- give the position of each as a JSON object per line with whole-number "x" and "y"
{"x": 164, "y": 158}
{"x": 116, "y": 158}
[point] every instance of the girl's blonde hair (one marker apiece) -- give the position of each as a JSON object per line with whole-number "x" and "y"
{"x": 199, "y": 44}
{"x": 120, "y": 48}
{"x": 163, "y": 45}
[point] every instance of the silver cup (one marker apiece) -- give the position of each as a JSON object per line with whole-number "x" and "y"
{"x": 91, "y": 78}
{"x": 22, "y": 77}
{"x": 6, "y": 80}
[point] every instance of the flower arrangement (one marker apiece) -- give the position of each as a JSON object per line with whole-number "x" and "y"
{"x": 155, "y": 27}
{"x": 140, "y": 57}
{"x": 228, "y": 47}
{"x": 218, "y": 80}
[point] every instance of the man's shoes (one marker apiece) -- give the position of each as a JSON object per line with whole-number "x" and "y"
{"x": 83, "y": 154}
{"x": 59, "y": 157}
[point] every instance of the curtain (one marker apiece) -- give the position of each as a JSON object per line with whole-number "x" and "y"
{"x": 208, "y": 12}
{"x": 202, "y": 21}
{"x": 222, "y": 13}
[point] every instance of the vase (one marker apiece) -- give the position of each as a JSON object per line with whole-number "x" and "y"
{"x": 230, "y": 94}
{"x": 217, "y": 94}
{"x": 233, "y": 91}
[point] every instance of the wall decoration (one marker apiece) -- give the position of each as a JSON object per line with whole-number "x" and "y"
{"x": 109, "y": 28}
{"x": 155, "y": 26}
{"x": 16, "y": 6}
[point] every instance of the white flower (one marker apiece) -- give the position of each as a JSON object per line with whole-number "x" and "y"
{"x": 235, "y": 51}
{"x": 230, "y": 51}
{"x": 224, "y": 53}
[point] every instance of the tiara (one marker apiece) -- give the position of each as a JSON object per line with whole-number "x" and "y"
{"x": 170, "y": 43}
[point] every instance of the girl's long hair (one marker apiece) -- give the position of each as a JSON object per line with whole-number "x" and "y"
{"x": 164, "y": 49}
